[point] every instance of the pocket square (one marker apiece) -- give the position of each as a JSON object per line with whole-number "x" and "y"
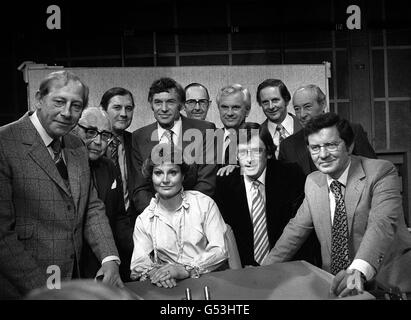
{"x": 114, "y": 185}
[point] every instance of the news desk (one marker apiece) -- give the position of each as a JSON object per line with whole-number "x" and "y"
{"x": 296, "y": 280}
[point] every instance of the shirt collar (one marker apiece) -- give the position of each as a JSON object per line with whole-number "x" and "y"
{"x": 342, "y": 179}
{"x": 40, "y": 129}
{"x": 249, "y": 182}
{"x": 287, "y": 124}
{"x": 176, "y": 129}
{"x": 154, "y": 203}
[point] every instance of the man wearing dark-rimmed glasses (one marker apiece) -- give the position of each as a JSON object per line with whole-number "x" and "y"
{"x": 197, "y": 101}
{"x": 95, "y": 129}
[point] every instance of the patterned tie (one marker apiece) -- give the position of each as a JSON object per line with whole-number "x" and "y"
{"x": 58, "y": 158}
{"x": 226, "y": 150}
{"x": 339, "y": 232}
{"x": 261, "y": 243}
{"x": 282, "y": 133}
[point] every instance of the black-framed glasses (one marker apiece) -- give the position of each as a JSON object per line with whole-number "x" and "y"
{"x": 203, "y": 103}
{"x": 330, "y": 146}
{"x": 92, "y": 133}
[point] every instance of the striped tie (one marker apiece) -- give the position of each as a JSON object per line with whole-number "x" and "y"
{"x": 261, "y": 243}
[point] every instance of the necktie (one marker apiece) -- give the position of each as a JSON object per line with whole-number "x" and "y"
{"x": 339, "y": 232}
{"x": 261, "y": 243}
{"x": 169, "y": 135}
{"x": 282, "y": 134}
{"x": 115, "y": 143}
{"x": 58, "y": 158}
{"x": 227, "y": 141}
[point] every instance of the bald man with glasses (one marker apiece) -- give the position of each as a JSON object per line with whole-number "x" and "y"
{"x": 95, "y": 129}
{"x": 197, "y": 101}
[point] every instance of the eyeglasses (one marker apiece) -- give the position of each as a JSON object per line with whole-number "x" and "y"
{"x": 253, "y": 152}
{"x": 93, "y": 133}
{"x": 331, "y": 147}
{"x": 203, "y": 103}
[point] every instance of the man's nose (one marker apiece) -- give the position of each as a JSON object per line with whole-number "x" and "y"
{"x": 197, "y": 106}
{"x": 65, "y": 111}
{"x": 324, "y": 153}
{"x": 97, "y": 139}
{"x": 123, "y": 112}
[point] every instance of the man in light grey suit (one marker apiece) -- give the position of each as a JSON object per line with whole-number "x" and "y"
{"x": 354, "y": 206}
{"x": 47, "y": 201}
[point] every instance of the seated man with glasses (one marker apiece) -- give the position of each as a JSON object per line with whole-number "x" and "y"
{"x": 197, "y": 101}
{"x": 354, "y": 205}
{"x": 94, "y": 128}
{"x": 166, "y": 98}
{"x": 258, "y": 199}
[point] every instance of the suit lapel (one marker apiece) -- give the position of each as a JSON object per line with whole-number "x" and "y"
{"x": 39, "y": 152}
{"x": 321, "y": 206}
{"x": 74, "y": 164}
{"x": 296, "y": 124}
{"x": 303, "y": 153}
{"x": 354, "y": 188}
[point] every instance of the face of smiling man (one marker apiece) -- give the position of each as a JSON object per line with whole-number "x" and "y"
{"x": 329, "y": 162}
{"x": 60, "y": 109}
{"x": 273, "y": 104}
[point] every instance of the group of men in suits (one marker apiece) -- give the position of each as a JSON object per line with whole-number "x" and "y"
{"x": 92, "y": 189}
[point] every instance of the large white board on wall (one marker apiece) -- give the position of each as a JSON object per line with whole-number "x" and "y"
{"x": 139, "y": 79}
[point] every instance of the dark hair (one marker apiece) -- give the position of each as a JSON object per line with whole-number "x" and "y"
{"x": 196, "y": 84}
{"x": 285, "y": 94}
{"x": 264, "y": 135}
{"x": 162, "y": 153}
{"x": 110, "y": 93}
{"x": 166, "y": 85}
{"x": 330, "y": 119}
{"x": 65, "y": 77}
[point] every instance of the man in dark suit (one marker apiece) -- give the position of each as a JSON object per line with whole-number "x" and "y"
{"x": 354, "y": 206}
{"x": 309, "y": 101}
{"x": 48, "y": 204}
{"x": 119, "y": 105}
{"x": 281, "y": 186}
{"x": 234, "y": 105}
{"x": 273, "y": 97}
{"x": 166, "y": 98}
{"x": 94, "y": 128}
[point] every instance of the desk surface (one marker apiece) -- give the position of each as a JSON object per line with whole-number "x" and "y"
{"x": 296, "y": 280}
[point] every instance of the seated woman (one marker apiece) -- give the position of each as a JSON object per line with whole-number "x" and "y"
{"x": 180, "y": 234}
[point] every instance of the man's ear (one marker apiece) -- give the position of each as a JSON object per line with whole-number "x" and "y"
{"x": 37, "y": 100}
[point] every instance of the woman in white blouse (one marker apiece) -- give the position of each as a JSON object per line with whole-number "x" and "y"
{"x": 180, "y": 234}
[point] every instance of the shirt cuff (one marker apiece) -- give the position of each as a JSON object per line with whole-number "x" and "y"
{"x": 364, "y": 267}
{"x": 111, "y": 258}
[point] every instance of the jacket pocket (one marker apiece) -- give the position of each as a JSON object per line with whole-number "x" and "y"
{"x": 25, "y": 231}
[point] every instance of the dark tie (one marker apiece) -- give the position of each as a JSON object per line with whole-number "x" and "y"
{"x": 169, "y": 135}
{"x": 339, "y": 232}
{"x": 261, "y": 243}
{"x": 114, "y": 157}
{"x": 58, "y": 158}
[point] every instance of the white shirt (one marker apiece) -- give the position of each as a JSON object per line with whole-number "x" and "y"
{"x": 44, "y": 135}
{"x": 47, "y": 140}
{"x": 193, "y": 236}
{"x": 176, "y": 129}
{"x": 358, "y": 264}
{"x": 288, "y": 124}
{"x": 248, "y": 183}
